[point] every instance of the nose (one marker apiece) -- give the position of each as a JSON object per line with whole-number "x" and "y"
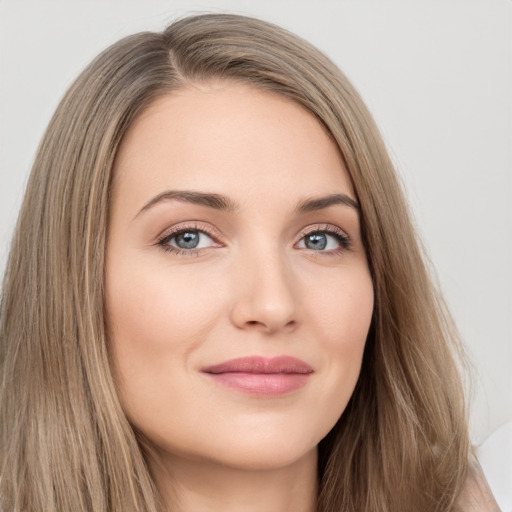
{"x": 265, "y": 298}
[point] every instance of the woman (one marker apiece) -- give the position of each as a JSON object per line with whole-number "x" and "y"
{"x": 215, "y": 299}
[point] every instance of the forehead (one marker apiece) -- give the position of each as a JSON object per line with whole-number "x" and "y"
{"x": 228, "y": 138}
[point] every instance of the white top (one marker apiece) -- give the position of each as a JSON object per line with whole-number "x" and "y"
{"x": 495, "y": 456}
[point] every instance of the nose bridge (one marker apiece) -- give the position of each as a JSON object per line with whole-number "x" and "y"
{"x": 266, "y": 298}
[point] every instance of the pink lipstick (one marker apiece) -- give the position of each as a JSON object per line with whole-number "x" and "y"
{"x": 261, "y": 376}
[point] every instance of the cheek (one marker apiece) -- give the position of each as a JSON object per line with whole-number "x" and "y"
{"x": 343, "y": 315}
{"x": 154, "y": 307}
{"x": 342, "y": 310}
{"x": 154, "y": 324}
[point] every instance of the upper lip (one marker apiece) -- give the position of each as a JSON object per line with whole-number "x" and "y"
{"x": 261, "y": 365}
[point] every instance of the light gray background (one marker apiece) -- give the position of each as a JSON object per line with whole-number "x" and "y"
{"x": 437, "y": 75}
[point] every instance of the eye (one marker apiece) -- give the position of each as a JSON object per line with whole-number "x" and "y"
{"x": 189, "y": 240}
{"x": 186, "y": 240}
{"x": 325, "y": 240}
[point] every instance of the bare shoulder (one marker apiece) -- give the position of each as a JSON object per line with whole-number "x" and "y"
{"x": 476, "y": 495}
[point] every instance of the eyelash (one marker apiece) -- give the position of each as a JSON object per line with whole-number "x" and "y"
{"x": 162, "y": 242}
{"x": 340, "y": 235}
{"x": 343, "y": 239}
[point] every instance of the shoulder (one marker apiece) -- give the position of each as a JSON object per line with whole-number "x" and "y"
{"x": 476, "y": 495}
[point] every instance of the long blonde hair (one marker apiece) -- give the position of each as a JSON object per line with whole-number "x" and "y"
{"x": 65, "y": 444}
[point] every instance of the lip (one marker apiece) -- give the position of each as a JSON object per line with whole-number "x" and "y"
{"x": 261, "y": 376}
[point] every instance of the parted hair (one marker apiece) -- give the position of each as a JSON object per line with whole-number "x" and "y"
{"x": 65, "y": 443}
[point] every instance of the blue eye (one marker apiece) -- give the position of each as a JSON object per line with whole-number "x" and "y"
{"x": 316, "y": 241}
{"x": 324, "y": 240}
{"x": 186, "y": 240}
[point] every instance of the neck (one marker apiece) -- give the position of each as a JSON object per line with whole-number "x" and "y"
{"x": 191, "y": 486}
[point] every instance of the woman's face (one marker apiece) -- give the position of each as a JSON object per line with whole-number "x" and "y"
{"x": 238, "y": 291}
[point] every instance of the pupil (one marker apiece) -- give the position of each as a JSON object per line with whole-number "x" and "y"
{"x": 316, "y": 241}
{"x": 187, "y": 240}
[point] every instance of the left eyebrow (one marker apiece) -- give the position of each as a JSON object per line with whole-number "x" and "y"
{"x": 315, "y": 204}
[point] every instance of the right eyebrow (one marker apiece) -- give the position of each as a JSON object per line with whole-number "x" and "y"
{"x": 216, "y": 201}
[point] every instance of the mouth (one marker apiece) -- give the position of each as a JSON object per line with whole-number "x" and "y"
{"x": 260, "y": 376}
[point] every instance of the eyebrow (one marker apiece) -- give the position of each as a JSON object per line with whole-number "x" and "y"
{"x": 315, "y": 204}
{"x": 223, "y": 203}
{"x": 216, "y": 201}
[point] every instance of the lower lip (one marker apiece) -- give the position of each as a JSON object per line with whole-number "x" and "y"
{"x": 262, "y": 384}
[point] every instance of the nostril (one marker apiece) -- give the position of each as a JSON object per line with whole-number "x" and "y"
{"x": 290, "y": 325}
{"x": 270, "y": 326}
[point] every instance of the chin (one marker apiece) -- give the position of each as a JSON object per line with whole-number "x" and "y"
{"x": 265, "y": 456}
{"x": 269, "y": 448}
{"x": 256, "y": 449}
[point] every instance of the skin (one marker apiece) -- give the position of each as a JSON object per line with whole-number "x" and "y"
{"x": 255, "y": 286}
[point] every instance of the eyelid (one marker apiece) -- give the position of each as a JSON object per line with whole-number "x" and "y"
{"x": 182, "y": 228}
{"x": 192, "y": 225}
{"x": 331, "y": 229}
